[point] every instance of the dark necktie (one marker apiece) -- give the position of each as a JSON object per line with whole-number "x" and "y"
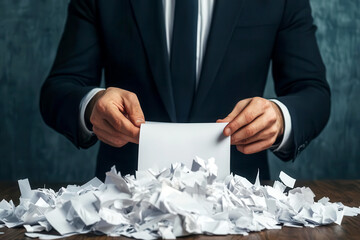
{"x": 183, "y": 56}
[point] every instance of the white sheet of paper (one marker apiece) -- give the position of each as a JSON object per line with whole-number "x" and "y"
{"x": 164, "y": 143}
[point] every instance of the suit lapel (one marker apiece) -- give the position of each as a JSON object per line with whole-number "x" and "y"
{"x": 223, "y": 23}
{"x": 150, "y": 19}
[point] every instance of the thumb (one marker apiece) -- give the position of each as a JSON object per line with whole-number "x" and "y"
{"x": 133, "y": 110}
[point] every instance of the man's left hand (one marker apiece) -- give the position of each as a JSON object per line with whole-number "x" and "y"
{"x": 254, "y": 125}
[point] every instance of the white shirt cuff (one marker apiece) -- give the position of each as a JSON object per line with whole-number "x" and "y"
{"x": 85, "y": 133}
{"x": 286, "y": 141}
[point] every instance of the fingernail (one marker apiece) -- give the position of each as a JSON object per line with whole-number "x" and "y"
{"x": 140, "y": 121}
{"x": 227, "y": 131}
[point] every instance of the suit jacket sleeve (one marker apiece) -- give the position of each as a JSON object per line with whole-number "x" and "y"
{"x": 76, "y": 70}
{"x": 299, "y": 76}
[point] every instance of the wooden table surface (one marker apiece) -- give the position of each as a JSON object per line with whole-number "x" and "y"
{"x": 345, "y": 191}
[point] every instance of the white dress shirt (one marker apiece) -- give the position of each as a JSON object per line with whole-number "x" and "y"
{"x": 205, "y": 11}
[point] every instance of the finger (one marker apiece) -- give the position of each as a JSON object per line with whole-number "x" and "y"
{"x": 109, "y": 130}
{"x": 259, "y": 124}
{"x": 237, "y": 109}
{"x": 133, "y": 109}
{"x": 256, "y": 146}
{"x": 265, "y": 134}
{"x": 118, "y": 121}
{"x": 110, "y": 140}
{"x": 252, "y": 111}
{"x": 221, "y": 121}
{"x": 111, "y": 112}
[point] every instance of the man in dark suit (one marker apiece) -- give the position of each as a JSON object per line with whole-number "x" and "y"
{"x": 188, "y": 61}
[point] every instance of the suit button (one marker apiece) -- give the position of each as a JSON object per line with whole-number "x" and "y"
{"x": 301, "y": 147}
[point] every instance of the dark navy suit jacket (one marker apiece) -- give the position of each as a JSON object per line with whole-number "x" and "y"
{"x": 126, "y": 39}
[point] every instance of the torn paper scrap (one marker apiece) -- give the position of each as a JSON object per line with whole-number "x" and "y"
{"x": 34, "y": 228}
{"x": 48, "y": 236}
{"x": 351, "y": 211}
{"x": 25, "y": 188}
{"x": 169, "y": 203}
{"x": 287, "y": 180}
{"x": 58, "y": 220}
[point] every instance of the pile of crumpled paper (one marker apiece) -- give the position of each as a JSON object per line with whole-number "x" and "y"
{"x": 169, "y": 203}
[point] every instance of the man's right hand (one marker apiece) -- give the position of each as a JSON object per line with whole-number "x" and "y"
{"x": 116, "y": 116}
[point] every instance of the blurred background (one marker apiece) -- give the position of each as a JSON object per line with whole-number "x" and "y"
{"x": 30, "y": 31}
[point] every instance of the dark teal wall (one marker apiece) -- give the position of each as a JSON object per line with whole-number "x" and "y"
{"x": 336, "y": 152}
{"x": 29, "y": 34}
